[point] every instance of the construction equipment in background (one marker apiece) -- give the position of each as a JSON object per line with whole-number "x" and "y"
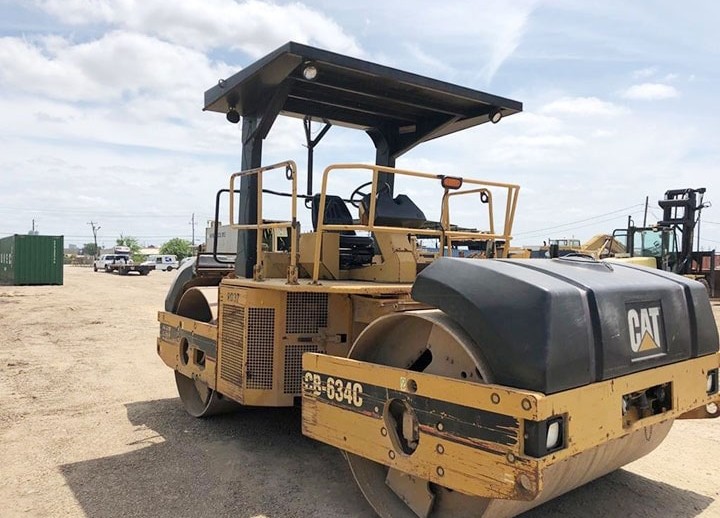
{"x": 553, "y": 248}
{"x": 600, "y": 246}
{"x": 671, "y": 242}
{"x": 456, "y": 386}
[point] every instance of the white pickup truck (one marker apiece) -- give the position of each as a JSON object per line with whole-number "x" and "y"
{"x": 121, "y": 263}
{"x": 106, "y": 260}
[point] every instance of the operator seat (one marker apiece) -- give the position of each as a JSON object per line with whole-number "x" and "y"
{"x": 355, "y": 250}
{"x": 399, "y": 211}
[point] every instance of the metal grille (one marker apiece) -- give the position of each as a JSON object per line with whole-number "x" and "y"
{"x": 306, "y": 313}
{"x": 261, "y": 341}
{"x": 293, "y": 366}
{"x": 233, "y": 344}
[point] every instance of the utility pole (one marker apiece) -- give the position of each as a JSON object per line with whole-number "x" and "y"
{"x": 646, "y": 209}
{"x": 94, "y": 231}
{"x": 32, "y": 231}
{"x": 192, "y": 223}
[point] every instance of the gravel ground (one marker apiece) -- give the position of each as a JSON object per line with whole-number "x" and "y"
{"x": 90, "y": 425}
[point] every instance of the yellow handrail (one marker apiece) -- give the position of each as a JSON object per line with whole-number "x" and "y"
{"x": 292, "y": 225}
{"x": 445, "y": 234}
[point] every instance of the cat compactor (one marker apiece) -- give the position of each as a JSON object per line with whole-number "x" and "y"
{"x": 458, "y": 382}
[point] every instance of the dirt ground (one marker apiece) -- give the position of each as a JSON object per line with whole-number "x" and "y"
{"x": 90, "y": 425}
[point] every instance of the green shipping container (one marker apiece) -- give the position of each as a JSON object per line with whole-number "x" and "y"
{"x": 26, "y": 259}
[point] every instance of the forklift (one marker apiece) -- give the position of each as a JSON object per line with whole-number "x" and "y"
{"x": 669, "y": 243}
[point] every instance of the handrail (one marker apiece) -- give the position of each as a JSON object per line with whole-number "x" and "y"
{"x": 445, "y": 234}
{"x": 216, "y": 223}
{"x": 480, "y": 191}
{"x": 292, "y": 225}
{"x": 510, "y": 206}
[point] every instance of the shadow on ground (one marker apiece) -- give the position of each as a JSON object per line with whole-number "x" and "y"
{"x": 622, "y": 493}
{"x": 256, "y": 462}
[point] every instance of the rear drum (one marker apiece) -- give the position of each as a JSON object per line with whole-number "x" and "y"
{"x": 431, "y": 342}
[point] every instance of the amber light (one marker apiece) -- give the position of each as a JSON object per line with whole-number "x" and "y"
{"x": 451, "y": 182}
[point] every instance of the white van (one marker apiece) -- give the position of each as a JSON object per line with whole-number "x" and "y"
{"x": 167, "y": 263}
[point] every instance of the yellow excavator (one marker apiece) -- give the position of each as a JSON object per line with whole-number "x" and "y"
{"x": 456, "y": 386}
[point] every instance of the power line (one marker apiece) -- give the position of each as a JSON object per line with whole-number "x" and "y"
{"x": 540, "y": 230}
{"x": 595, "y": 222}
{"x": 93, "y": 212}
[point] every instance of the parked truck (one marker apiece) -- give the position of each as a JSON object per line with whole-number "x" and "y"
{"x": 120, "y": 261}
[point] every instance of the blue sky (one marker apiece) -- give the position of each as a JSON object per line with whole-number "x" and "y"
{"x": 101, "y": 105}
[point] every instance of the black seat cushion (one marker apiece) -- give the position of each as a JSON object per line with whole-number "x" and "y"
{"x": 400, "y": 211}
{"x": 355, "y": 250}
{"x": 336, "y": 212}
{"x": 347, "y": 241}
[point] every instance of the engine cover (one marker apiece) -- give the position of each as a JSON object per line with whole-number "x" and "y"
{"x": 553, "y": 324}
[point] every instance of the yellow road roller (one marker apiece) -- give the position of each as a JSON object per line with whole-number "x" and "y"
{"x": 458, "y": 381}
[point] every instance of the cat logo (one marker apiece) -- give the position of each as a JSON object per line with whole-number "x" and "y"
{"x": 645, "y": 327}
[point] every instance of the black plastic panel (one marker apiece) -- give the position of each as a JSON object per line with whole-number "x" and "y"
{"x": 553, "y": 324}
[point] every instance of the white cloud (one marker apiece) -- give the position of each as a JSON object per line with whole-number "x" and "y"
{"x": 253, "y": 26}
{"x": 644, "y": 73}
{"x": 427, "y": 60}
{"x": 102, "y": 120}
{"x": 542, "y": 141}
{"x": 506, "y": 31}
{"x": 78, "y": 12}
{"x": 535, "y": 150}
{"x": 513, "y": 151}
{"x": 125, "y": 107}
{"x": 650, "y": 92}
{"x": 104, "y": 70}
{"x": 474, "y": 38}
{"x": 533, "y": 123}
{"x": 582, "y": 106}
{"x": 63, "y": 187}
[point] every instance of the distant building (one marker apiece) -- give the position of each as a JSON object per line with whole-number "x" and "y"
{"x": 150, "y": 250}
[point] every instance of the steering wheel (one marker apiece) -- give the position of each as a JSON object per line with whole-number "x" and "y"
{"x": 358, "y": 194}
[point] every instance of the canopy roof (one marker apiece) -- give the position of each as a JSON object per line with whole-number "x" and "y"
{"x": 405, "y": 108}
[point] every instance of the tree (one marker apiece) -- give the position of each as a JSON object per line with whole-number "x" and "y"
{"x": 91, "y": 249}
{"x": 182, "y": 248}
